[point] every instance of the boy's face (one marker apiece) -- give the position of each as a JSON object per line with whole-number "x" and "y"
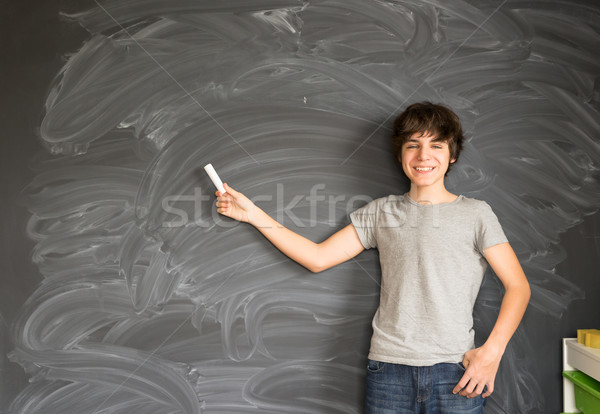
{"x": 425, "y": 159}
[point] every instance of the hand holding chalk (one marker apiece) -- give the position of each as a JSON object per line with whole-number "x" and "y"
{"x": 214, "y": 177}
{"x": 235, "y": 205}
{"x": 230, "y": 203}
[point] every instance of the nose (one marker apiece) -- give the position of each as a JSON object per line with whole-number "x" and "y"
{"x": 423, "y": 153}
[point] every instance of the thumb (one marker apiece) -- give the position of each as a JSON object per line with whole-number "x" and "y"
{"x": 229, "y": 190}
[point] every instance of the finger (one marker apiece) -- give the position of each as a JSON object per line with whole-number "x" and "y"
{"x": 477, "y": 391}
{"x": 489, "y": 391}
{"x": 230, "y": 191}
{"x": 461, "y": 384}
{"x": 468, "y": 389}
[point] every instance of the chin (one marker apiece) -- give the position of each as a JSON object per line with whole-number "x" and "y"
{"x": 423, "y": 183}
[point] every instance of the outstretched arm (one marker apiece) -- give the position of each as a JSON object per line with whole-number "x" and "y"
{"x": 482, "y": 363}
{"x": 316, "y": 257}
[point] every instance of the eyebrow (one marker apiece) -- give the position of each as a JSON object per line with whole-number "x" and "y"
{"x": 438, "y": 139}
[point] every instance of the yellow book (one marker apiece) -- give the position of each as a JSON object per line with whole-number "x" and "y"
{"x": 581, "y": 334}
{"x": 592, "y": 339}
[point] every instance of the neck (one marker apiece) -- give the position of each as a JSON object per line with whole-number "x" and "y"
{"x": 429, "y": 195}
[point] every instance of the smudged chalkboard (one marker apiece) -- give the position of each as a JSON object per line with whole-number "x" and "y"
{"x": 124, "y": 291}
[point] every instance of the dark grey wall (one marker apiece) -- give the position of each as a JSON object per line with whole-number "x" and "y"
{"x": 122, "y": 291}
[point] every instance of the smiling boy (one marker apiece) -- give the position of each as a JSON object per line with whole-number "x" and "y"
{"x": 434, "y": 248}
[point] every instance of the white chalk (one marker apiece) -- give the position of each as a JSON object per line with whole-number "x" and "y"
{"x": 214, "y": 177}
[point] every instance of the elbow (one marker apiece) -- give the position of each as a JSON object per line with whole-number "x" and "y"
{"x": 316, "y": 267}
{"x": 524, "y": 290}
{"x": 319, "y": 264}
{"x": 526, "y": 295}
{"x": 527, "y": 291}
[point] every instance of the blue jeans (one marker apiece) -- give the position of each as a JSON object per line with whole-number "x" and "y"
{"x": 403, "y": 389}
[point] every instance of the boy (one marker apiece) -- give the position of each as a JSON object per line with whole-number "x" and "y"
{"x": 434, "y": 248}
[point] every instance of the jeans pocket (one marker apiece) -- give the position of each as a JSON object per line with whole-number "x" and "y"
{"x": 375, "y": 366}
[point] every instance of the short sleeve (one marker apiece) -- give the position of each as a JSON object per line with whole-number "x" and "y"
{"x": 365, "y": 222}
{"x": 488, "y": 231}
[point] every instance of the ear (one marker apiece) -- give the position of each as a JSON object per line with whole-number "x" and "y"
{"x": 453, "y": 160}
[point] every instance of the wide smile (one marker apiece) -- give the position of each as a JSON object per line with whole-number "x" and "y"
{"x": 424, "y": 170}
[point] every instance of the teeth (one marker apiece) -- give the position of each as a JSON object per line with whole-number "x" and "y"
{"x": 424, "y": 169}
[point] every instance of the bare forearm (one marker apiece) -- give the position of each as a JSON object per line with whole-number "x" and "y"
{"x": 293, "y": 245}
{"x": 342, "y": 246}
{"x": 512, "y": 310}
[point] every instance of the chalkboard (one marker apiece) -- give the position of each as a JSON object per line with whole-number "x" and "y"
{"x": 123, "y": 291}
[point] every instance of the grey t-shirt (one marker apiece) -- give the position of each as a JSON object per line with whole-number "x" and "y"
{"x": 432, "y": 266}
